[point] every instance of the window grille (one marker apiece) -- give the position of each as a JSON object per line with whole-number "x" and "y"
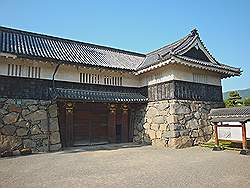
{"x": 89, "y": 78}
{"x": 34, "y": 72}
{"x": 14, "y": 70}
{"x": 200, "y": 78}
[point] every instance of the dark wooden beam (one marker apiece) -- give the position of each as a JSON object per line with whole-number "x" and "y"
{"x": 112, "y": 123}
{"x": 69, "y": 124}
{"x": 124, "y": 123}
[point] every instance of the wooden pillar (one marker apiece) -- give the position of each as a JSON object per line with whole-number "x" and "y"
{"x": 124, "y": 123}
{"x": 216, "y": 139}
{"x": 69, "y": 124}
{"x": 244, "y": 150}
{"x": 244, "y": 137}
{"x": 112, "y": 123}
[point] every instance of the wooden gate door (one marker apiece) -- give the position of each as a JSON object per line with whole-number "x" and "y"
{"x": 90, "y": 124}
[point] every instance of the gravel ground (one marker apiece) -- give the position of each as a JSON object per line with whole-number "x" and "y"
{"x": 116, "y": 166}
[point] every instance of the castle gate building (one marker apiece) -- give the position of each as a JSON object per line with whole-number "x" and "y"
{"x": 56, "y": 92}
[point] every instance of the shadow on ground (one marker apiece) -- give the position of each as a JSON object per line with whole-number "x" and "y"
{"x": 78, "y": 149}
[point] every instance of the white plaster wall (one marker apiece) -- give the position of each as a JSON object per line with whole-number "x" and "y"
{"x": 177, "y": 72}
{"x": 67, "y": 72}
{"x": 72, "y": 73}
{"x": 157, "y": 76}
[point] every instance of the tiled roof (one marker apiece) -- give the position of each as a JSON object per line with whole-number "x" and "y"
{"x": 97, "y": 96}
{"x": 33, "y": 45}
{"x": 173, "y": 53}
{"x": 230, "y": 114}
{"x": 164, "y": 52}
{"x": 26, "y": 44}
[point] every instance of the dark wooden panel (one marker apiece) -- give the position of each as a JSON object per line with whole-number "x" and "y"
{"x": 90, "y": 122}
{"x": 62, "y": 120}
{"x": 185, "y": 90}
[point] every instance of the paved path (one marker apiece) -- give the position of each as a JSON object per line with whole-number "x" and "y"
{"x": 130, "y": 167}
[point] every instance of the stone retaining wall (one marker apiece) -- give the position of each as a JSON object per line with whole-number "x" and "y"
{"x": 26, "y": 123}
{"x": 174, "y": 123}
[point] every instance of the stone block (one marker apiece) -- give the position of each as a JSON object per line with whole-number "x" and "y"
{"x": 189, "y": 117}
{"x": 1, "y": 124}
{"x": 163, "y": 127}
{"x": 10, "y": 101}
{"x": 27, "y": 143}
{"x": 181, "y": 142}
{"x": 197, "y": 115}
{"x": 10, "y": 118}
{"x": 33, "y": 108}
{"x": 9, "y": 143}
{"x": 3, "y": 111}
{"x": 164, "y": 112}
{"x": 146, "y": 126}
{"x": 200, "y": 133}
{"x": 146, "y": 139}
{"x": 158, "y": 134}
{"x": 192, "y": 124}
{"x": 184, "y": 132}
{"x": 170, "y": 134}
{"x": 152, "y": 112}
{"x": 27, "y": 102}
{"x": 52, "y": 110}
{"x": 155, "y": 126}
{"x": 44, "y": 125}
{"x": 55, "y": 147}
{"x": 39, "y": 137}
{"x": 53, "y": 122}
{"x": 37, "y": 115}
{"x": 194, "y": 133}
{"x": 159, "y": 143}
{"x": 151, "y": 134}
{"x": 35, "y": 130}
{"x": 45, "y": 103}
{"x": 55, "y": 138}
{"x": 199, "y": 140}
{"x": 22, "y": 123}
{"x": 175, "y": 127}
{"x": 158, "y": 120}
{"x": 25, "y": 112}
{"x": 194, "y": 107}
{"x": 172, "y": 119}
{"x": 43, "y": 149}
{"x": 139, "y": 126}
{"x": 149, "y": 120}
{"x": 8, "y": 130}
{"x": 22, "y": 132}
{"x": 178, "y": 109}
{"x": 163, "y": 106}
{"x": 14, "y": 108}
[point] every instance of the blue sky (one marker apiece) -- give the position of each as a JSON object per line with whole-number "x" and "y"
{"x": 143, "y": 25}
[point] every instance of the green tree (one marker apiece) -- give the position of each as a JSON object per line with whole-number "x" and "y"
{"x": 233, "y": 100}
{"x": 246, "y": 102}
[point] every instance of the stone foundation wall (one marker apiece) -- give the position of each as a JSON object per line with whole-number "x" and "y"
{"x": 24, "y": 124}
{"x": 174, "y": 123}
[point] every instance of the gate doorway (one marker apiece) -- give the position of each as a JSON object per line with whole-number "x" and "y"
{"x": 93, "y": 123}
{"x": 90, "y": 124}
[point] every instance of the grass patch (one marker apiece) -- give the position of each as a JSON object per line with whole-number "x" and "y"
{"x": 225, "y": 145}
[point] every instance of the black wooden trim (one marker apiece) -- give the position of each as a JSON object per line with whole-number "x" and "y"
{"x": 31, "y": 88}
{"x": 184, "y": 90}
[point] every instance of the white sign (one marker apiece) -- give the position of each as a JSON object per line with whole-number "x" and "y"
{"x": 233, "y": 133}
{"x": 230, "y": 133}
